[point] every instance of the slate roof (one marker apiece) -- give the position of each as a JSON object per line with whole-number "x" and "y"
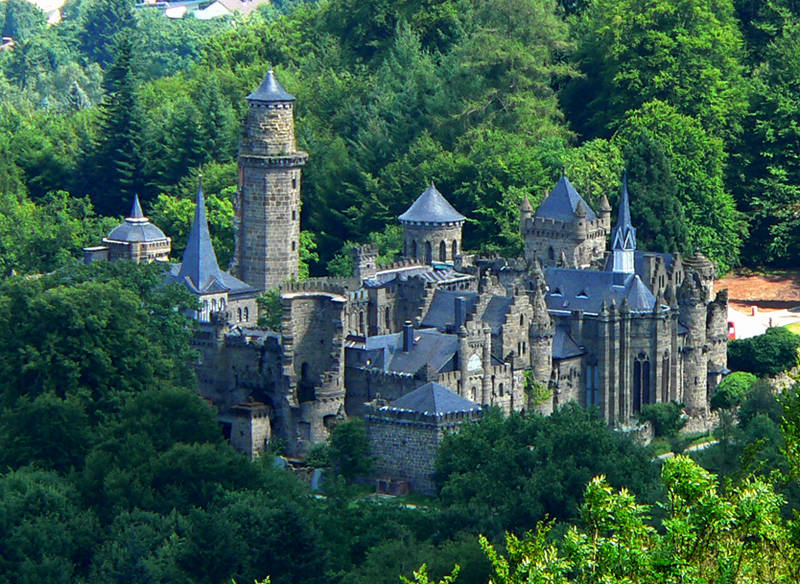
{"x": 639, "y": 260}
{"x": 431, "y": 207}
{"x": 435, "y": 399}
{"x": 624, "y": 235}
{"x": 199, "y": 270}
{"x": 564, "y": 346}
{"x": 586, "y": 290}
{"x": 496, "y": 311}
{"x": 270, "y": 90}
{"x": 430, "y": 348}
{"x": 562, "y": 202}
{"x": 136, "y": 227}
{"x": 442, "y": 311}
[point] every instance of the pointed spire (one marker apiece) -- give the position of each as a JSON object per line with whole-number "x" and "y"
{"x": 605, "y": 206}
{"x": 270, "y": 91}
{"x": 199, "y": 264}
{"x": 624, "y": 236}
{"x": 525, "y": 206}
{"x": 136, "y": 210}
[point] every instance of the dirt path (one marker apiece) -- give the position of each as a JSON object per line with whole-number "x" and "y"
{"x": 774, "y": 291}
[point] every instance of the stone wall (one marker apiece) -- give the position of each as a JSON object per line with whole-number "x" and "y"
{"x": 417, "y": 237}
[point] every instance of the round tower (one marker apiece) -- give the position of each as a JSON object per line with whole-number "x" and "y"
{"x": 268, "y": 201}
{"x": 432, "y": 228}
{"x": 693, "y": 313}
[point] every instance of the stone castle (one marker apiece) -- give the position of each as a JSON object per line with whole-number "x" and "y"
{"x": 420, "y": 346}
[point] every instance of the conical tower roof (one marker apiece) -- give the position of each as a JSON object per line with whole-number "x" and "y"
{"x": 199, "y": 269}
{"x": 270, "y": 90}
{"x": 431, "y": 207}
{"x": 562, "y": 202}
{"x": 624, "y": 235}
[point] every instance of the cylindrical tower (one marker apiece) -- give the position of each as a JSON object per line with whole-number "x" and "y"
{"x": 432, "y": 228}
{"x": 693, "y": 313}
{"x": 268, "y": 201}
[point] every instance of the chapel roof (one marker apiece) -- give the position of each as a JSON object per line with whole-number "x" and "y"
{"x": 624, "y": 235}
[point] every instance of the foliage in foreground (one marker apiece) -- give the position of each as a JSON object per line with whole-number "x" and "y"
{"x": 765, "y": 355}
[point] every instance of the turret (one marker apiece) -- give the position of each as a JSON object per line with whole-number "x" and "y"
{"x": 432, "y": 228}
{"x": 605, "y": 213}
{"x": 693, "y": 314}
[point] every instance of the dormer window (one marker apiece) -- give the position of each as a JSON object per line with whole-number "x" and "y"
{"x": 556, "y": 292}
{"x": 582, "y": 294}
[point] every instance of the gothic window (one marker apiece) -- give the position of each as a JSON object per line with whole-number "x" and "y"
{"x": 665, "y": 377}
{"x": 361, "y": 326}
{"x": 414, "y": 249}
{"x": 239, "y": 311}
{"x": 442, "y": 252}
{"x": 641, "y": 382}
{"x": 455, "y": 249}
{"x": 428, "y": 252}
{"x": 213, "y": 305}
{"x": 246, "y": 314}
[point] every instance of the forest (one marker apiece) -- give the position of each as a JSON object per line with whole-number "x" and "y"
{"x": 113, "y": 470}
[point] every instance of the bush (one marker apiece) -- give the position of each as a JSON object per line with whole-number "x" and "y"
{"x": 732, "y": 390}
{"x": 765, "y": 355}
{"x": 348, "y": 448}
{"x": 666, "y": 417}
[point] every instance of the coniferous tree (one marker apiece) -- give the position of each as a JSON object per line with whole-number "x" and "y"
{"x": 655, "y": 208}
{"x": 117, "y": 168}
{"x": 103, "y": 21}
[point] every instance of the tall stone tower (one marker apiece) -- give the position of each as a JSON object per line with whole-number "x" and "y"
{"x": 268, "y": 201}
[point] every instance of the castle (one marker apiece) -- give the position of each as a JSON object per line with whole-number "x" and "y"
{"x": 570, "y": 321}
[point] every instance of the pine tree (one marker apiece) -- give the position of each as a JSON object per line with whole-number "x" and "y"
{"x": 117, "y": 150}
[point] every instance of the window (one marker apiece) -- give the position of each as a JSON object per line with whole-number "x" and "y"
{"x": 294, "y": 215}
{"x": 455, "y": 249}
{"x": 294, "y": 246}
{"x": 521, "y": 320}
{"x": 361, "y": 326}
{"x": 665, "y": 377}
{"x": 246, "y": 314}
{"x": 388, "y": 318}
{"x": 428, "y": 252}
{"x": 592, "y": 386}
{"x": 239, "y": 311}
{"x": 294, "y": 182}
{"x": 414, "y": 249}
{"x": 442, "y": 252}
{"x": 551, "y": 253}
{"x": 641, "y": 382}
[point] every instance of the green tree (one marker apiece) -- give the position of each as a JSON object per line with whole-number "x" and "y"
{"x": 348, "y": 448}
{"x": 117, "y": 156}
{"x": 21, "y": 20}
{"x": 686, "y": 53}
{"x": 103, "y": 21}
{"x": 765, "y": 355}
{"x": 507, "y": 473}
{"x": 731, "y": 390}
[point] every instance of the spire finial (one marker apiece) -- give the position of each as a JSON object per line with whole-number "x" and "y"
{"x": 564, "y": 170}
{"x": 136, "y": 209}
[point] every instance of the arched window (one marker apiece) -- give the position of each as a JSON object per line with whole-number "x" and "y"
{"x": 551, "y": 253}
{"x": 213, "y": 305}
{"x": 414, "y": 249}
{"x": 246, "y": 314}
{"x": 665, "y": 377}
{"x": 361, "y": 326}
{"x": 388, "y": 318}
{"x": 641, "y": 382}
{"x": 442, "y": 252}
{"x": 521, "y": 320}
{"x": 239, "y": 311}
{"x": 428, "y": 252}
{"x": 455, "y": 249}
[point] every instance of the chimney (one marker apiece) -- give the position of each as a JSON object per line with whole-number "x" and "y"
{"x": 408, "y": 336}
{"x": 460, "y": 312}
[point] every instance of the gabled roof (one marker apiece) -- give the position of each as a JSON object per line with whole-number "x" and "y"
{"x": 270, "y": 90}
{"x": 430, "y": 347}
{"x": 435, "y": 399}
{"x": 624, "y": 235}
{"x": 562, "y": 202}
{"x": 431, "y": 207}
{"x": 442, "y": 311}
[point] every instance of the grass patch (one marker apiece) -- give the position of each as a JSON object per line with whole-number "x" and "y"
{"x": 793, "y": 328}
{"x": 660, "y": 446}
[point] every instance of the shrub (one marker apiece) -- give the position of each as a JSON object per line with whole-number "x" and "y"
{"x": 732, "y": 390}
{"x": 765, "y": 355}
